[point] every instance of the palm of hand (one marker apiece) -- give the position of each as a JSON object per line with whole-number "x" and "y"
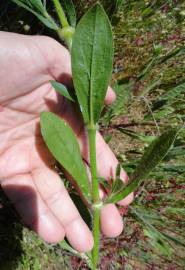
{"x": 26, "y": 166}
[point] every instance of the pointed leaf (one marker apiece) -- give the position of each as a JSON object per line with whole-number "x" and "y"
{"x": 27, "y": 2}
{"x": 117, "y": 184}
{"x": 174, "y": 239}
{"x": 62, "y": 90}
{"x": 117, "y": 187}
{"x": 69, "y": 11}
{"x": 46, "y": 21}
{"x": 84, "y": 256}
{"x": 63, "y": 144}
{"x": 153, "y": 155}
{"x": 38, "y": 5}
{"x": 104, "y": 183}
{"x": 33, "y": 3}
{"x": 118, "y": 171}
{"x": 64, "y": 245}
{"x": 92, "y": 57}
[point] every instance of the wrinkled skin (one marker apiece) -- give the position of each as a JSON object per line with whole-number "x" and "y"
{"x": 27, "y": 172}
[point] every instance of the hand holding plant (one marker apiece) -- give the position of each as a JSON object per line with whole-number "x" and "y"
{"x": 25, "y": 162}
{"x": 92, "y": 56}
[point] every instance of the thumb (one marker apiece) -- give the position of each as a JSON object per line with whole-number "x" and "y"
{"x": 57, "y": 58}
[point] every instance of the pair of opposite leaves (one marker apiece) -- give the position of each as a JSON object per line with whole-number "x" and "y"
{"x": 92, "y": 59}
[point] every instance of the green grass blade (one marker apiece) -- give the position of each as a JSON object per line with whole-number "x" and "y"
{"x": 170, "y": 95}
{"x": 150, "y": 87}
{"x": 174, "y": 239}
{"x": 63, "y": 144}
{"x": 151, "y": 158}
{"x": 120, "y": 106}
{"x": 171, "y": 54}
{"x": 137, "y": 136}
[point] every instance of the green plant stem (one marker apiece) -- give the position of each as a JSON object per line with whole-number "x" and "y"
{"x": 61, "y": 14}
{"x": 96, "y": 236}
{"x": 65, "y": 32}
{"x": 92, "y": 150}
{"x": 95, "y": 194}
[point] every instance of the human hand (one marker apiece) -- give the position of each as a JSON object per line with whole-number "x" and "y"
{"x": 26, "y": 166}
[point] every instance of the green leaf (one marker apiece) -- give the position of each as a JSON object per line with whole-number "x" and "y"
{"x": 92, "y": 57}
{"x": 174, "y": 239}
{"x": 84, "y": 256}
{"x": 27, "y": 2}
{"x": 46, "y": 21}
{"x": 120, "y": 106}
{"x": 175, "y": 92}
{"x": 33, "y": 4}
{"x": 63, "y": 144}
{"x": 38, "y": 5}
{"x": 150, "y": 87}
{"x": 117, "y": 187}
{"x": 158, "y": 60}
{"x": 104, "y": 183}
{"x": 161, "y": 237}
{"x": 62, "y": 90}
{"x": 174, "y": 52}
{"x": 151, "y": 158}
{"x": 117, "y": 184}
{"x": 69, "y": 11}
{"x": 64, "y": 245}
{"x": 118, "y": 171}
{"x": 137, "y": 136}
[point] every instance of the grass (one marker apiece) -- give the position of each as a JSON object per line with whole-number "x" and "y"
{"x": 147, "y": 34}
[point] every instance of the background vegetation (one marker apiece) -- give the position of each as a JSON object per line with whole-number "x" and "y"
{"x": 149, "y": 78}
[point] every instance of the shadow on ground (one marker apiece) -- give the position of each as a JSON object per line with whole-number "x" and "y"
{"x": 10, "y": 235}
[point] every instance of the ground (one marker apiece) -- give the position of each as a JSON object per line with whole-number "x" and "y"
{"x": 149, "y": 78}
